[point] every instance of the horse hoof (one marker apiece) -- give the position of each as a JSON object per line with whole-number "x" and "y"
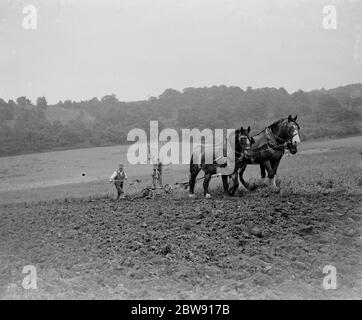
{"x": 191, "y": 195}
{"x": 207, "y": 195}
{"x": 250, "y": 187}
{"x": 276, "y": 190}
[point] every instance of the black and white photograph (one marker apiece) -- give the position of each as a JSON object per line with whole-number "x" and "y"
{"x": 184, "y": 150}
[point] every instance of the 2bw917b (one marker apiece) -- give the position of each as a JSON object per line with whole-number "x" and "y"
{"x": 202, "y": 309}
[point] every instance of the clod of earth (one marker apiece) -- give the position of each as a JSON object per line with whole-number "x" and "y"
{"x": 166, "y": 249}
{"x": 256, "y": 231}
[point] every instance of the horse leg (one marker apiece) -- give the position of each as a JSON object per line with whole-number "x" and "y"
{"x": 243, "y": 182}
{"x": 206, "y": 185}
{"x": 275, "y": 168}
{"x": 235, "y": 179}
{"x": 194, "y": 171}
{"x": 271, "y": 173}
{"x": 225, "y": 183}
{"x": 262, "y": 171}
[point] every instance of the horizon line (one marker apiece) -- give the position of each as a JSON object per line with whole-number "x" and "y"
{"x": 182, "y": 90}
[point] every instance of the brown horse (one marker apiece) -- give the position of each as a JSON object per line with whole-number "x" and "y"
{"x": 236, "y": 147}
{"x": 269, "y": 148}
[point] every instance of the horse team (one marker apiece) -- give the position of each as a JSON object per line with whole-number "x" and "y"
{"x": 265, "y": 149}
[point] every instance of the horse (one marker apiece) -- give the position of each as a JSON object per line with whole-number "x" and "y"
{"x": 237, "y": 145}
{"x": 268, "y": 149}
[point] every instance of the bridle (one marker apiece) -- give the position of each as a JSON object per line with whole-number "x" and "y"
{"x": 245, "y": 142}
{"x": 245, "y": 145}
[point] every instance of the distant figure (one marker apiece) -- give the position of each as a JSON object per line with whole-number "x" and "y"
{"x": 156, "y": 179}
{"x": 157, "y": 174}
{"x": 118, "y": 177}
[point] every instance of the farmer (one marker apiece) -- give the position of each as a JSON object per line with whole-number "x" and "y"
{"x": 118, "y": 177}
{"x": 157, "y": 174}
{"x": 156, "y": 179}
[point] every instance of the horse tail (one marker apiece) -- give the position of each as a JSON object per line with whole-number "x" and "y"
{"x": 191, "y": 162}
{"x": 191, "y": 165}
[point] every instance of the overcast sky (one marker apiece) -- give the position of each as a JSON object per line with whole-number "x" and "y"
{"x": 138, "y": 48}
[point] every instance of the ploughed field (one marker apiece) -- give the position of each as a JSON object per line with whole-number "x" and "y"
{"x": 257, "y": 244}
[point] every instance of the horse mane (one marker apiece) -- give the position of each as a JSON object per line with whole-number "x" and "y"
{"x": 276, "y": 123}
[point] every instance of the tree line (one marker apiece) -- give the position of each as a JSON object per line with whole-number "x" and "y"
{"x": 28, "y": 127}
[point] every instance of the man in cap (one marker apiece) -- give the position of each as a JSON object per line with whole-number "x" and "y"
{"x": 118, "y": 177}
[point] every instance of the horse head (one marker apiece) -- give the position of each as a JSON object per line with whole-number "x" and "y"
{"x": 286, "y": 133}
{"x": 292, "y": 134}
{"x": 243, "y": 141}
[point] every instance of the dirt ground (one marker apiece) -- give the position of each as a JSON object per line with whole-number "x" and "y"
{"x": 261, "y": 245}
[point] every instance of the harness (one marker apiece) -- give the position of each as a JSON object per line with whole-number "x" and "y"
{"x": 276, "y": 142}
{"x": 272, "y": 140}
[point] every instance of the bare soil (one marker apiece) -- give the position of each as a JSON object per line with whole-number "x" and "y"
{"x": 257, "y": 245}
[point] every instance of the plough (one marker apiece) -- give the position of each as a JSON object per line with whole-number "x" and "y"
{"x": 149, "y": 192}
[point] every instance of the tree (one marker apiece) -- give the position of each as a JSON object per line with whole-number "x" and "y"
{"x": 23, "y": 101}
{"x": 41, "y": 102}
{"x": 6, "y": 110}
{"x": 110, "y": 99}
{"x": 169, "y": 94}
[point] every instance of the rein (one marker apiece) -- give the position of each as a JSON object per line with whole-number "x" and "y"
{"x": 261, "y": 131}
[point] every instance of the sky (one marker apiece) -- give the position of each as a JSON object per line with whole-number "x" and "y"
{"x": 138, "y": 48}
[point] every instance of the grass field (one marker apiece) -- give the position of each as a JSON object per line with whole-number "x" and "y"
{"x": 85, "y": 245}
{"x": 58, "y": 175}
